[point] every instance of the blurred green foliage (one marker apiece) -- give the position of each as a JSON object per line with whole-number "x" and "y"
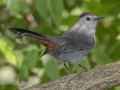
{"x": 20, "y": 62}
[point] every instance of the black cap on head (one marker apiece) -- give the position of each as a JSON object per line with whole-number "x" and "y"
{"x": 84, "y": 14}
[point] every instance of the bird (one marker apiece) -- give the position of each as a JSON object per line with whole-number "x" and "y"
{"x": 72, "y": 45}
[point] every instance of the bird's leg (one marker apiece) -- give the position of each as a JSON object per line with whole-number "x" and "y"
{"x": 84, "y": 68}
{"x": 69, "y": 72}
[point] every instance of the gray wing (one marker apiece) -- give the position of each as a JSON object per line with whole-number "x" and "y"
{"x": 75, "y": 43}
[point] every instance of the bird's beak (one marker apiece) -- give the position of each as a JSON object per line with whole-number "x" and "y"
{"x": 98, "y": 18}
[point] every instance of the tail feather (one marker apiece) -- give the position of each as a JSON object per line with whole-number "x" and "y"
{"x": 47, "y": 41}
{"x": 24, "y": 32}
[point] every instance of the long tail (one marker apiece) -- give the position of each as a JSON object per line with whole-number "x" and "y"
{"x": 24, "y": 32}
{"x": 47, "y": 41}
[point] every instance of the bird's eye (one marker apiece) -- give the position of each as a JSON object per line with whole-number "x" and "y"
{"x": 88, "y": 18}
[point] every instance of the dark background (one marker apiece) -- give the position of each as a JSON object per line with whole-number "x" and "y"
{"x": 20, "y": 62}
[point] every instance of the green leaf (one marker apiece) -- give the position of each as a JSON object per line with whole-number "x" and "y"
{"x": 30, "y": 47}
{"x": 30, "y": 59}
{"x": 117, "y": 88}
{"x": 1, "y": 1}
{"x": 45, "y": 78}
{"x": 17, "y": 6}
{"x": 9, "y": 87}
{"x": 14, "y": 8}
{"x": 56, "y": 8}
{"x": 100, "y": 57}
{"x": 24, "y": 6}
{"x": 41, "y": 7}
{"x": 16, "y": 23}
{"x": 69, "y": 2}
{"x": 28, "y": 63}
{"x": 7, "y": 51}
{"x": 23, "y": 73}
{"x": 51, "y": 67}
{"x": 70, "y": 21}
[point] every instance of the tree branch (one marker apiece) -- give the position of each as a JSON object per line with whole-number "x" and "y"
{"x": 100, "y": 78}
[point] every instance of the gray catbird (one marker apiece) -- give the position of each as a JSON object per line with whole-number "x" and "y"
{"x": 73, "y": 44}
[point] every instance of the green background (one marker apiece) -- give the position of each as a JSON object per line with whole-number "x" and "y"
{"x": 20, "y": 62}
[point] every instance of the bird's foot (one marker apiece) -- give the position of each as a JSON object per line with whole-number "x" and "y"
{"x": 84, "y": 69}
{"x": 69, "y": 72}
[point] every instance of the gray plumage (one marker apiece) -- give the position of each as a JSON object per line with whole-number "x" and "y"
{"x": 73, "y": 44}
